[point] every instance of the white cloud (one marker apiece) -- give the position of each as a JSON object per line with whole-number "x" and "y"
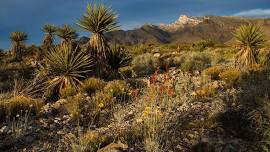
{"x": 254, "y": 13}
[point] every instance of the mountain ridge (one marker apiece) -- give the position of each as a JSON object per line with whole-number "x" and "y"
{"x": 185, "y": 30}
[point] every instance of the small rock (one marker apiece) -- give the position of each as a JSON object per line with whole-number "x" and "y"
{"x": 113, "y": 147}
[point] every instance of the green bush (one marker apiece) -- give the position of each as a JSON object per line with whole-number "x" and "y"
{"x": 92, "y": 85}
{"x": 145, "y": 64}
{"x": 118, "y": 89}
{"x": 195, "y": 61}
{"x": 19, "y": 105}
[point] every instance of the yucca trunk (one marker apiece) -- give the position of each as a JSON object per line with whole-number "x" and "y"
{"x": 17, "y": 51}
{"x": 99, "y": 45}
{"x": 246, "y": 57}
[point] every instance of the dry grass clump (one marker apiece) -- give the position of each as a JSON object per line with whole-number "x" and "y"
{"x": 145, "y": 64}
{"x": 67, "y": 92}
{"x": 126, "y": 72}
{"x": 230, "y": 76}
{"x": 92, "y": 85}
{"x": 104, "y": 100}
{"x": 93, "y": 140}
{"x": 118, "y": 89}
{"x": 19, "y": 105}
{"x": 213, "y": 72}
{"x": 75, "y": 105}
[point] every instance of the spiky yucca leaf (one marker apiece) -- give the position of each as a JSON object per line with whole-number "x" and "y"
{"x": 66, "y": 33}
{"x": 49, "y": 29}
{"x": 118, "y": 57}
{"x": 66, "y": 66}
{"x": 98, "y": 20}
{"x": 250, "y": 38}
{"x": 18, "y": 37}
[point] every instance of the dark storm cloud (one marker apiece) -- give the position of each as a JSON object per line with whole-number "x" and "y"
{"x": 30, "y": 15}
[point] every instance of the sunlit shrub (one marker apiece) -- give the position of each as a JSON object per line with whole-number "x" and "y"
{"x": 93, "y": 140}
{"x": 19, "y": 105}
{"x": 67, "y": 92}
{"x": 127, "y": 71}
{"x": 118, "y": 89}
{"x": 145, "y": 64}
{"x": 230, "y": 76}
{"x": 92, "y": 85}
{"x": 104, "y": 100}
{"x": 213, "y": 72}
{"x": 195, "y": 61}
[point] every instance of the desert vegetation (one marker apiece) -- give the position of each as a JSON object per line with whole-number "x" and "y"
{"x": 102, "y": 97}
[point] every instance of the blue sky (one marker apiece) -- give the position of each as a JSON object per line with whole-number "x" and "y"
{"x": 30, "y": 15}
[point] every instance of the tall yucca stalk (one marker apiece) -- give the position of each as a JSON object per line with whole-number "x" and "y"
{"x": 251, "y": 38}
{"x": 98, "y": 20}
{"x": 49, "y": 31}
{"x": 66, "y": 66}
{"x": 17, "y": 39}
{"x": 66, "y": 33}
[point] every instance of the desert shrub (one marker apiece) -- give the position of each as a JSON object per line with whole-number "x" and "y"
{"x": 195, "y": 61}
{"x": 145, "y": 64}
{"x": 230, "y": 76}
{"x": 118, "y": 89}
{"x": 92, "y": 85}
{"x": 213, "y": 72}
{"x": 19, "y": 105}
{"x": 67, "y": 92}
{"x": 93, "y": 140}
{"x": 259, "y": 117}
{"x": 126, "y": 72}
{"x": 206, "y": 91}
{"x": 173, "y": 61}
{"x": 75, "y": 105}
{"x": 203, "y": 44}
{"x": 104, "y": 100}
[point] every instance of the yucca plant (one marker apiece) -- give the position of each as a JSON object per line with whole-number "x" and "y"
{"x": 66, "y": 33}
{"x": 17, "y": 39}
{"x": 117, "y": 57}
{"x": 250, "y": 38}
{"x": 49, "y": 31}
{"x": 67, "y": 66}
{"x": 98, "y": 20}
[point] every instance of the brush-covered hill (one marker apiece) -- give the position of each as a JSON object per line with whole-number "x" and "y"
{"x": 185, "y": 30}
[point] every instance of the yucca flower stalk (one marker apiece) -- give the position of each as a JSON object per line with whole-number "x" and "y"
{"x": 17, "y": 39}
{"x": 67, "y": 34}
{"x": 251, "y": 38}
{"x": 67, "y": 66}
{"x": 98, "y": 20}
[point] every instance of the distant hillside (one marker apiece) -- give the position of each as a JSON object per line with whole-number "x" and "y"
{"x": 185, "y": 30}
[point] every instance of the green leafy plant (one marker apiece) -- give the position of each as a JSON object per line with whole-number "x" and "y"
{"x": 251, "y": 38}
{"x": 67, "y": 66}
